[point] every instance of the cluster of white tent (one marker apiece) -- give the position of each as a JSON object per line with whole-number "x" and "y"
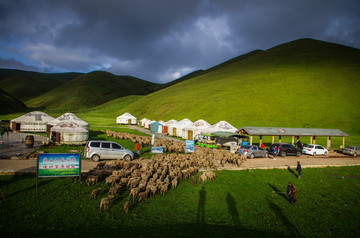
{"x": 185, "y": 128}
{"x": 66, "y": 129}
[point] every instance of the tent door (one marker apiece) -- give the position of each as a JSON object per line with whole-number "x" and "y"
{"x": 17, "y": 126}
{"x": 129, "y": 121}
{"x": 13, "y": 126}
{"x": 174, "y": 131}
{"x": 190, "y": 135}
{"x": 57, "y": 137}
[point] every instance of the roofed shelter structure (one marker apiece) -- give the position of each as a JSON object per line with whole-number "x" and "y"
{"x": 293, "y": 132}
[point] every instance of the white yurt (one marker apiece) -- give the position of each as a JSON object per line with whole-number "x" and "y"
{"x": 70, "y": 117}
{"x": 176, "y": 129}
{"x": 220, "y": 126}
{"x": 31, "y": 122}
{"x": 126, "y": 119}
{"x": 167, "y": 124}
{"x": 145, "y": 123}
{"x": 195, "y": 128}
{"x": 70, "y": 133}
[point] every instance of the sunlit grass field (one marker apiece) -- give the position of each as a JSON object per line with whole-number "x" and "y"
{"x": 237, "y": 203}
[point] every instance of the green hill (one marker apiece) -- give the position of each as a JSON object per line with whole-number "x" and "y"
{"x": 9, "y": 104}
{"x": 303, "y": 83}
{"x": 25, "y": 85}
{"x": 8, "y": 73}
{"x": 90, "y": 90}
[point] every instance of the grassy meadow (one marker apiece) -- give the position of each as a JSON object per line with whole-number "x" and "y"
{"x": 237, "y": 203}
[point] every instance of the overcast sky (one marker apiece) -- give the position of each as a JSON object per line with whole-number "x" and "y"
{"x": 161, "y": 40}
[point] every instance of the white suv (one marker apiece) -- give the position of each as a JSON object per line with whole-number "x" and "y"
{"x": 97, "y": 150}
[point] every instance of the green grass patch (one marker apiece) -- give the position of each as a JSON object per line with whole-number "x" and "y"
{"x": 237, "y": 203}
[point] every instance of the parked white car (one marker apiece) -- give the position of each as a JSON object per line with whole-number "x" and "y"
{"x": 312, "y": 149}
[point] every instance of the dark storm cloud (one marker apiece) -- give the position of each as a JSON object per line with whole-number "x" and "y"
{"x": 161, "y": 40}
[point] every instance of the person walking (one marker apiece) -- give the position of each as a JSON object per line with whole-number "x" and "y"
{"x": 275, "y": 152}
{"x": 291, "y": 192}
{"x": 298, "y": 169}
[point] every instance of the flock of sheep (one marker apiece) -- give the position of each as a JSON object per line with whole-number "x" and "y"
{"x": 147, "y": 177}
{"x": 170, "y": 146}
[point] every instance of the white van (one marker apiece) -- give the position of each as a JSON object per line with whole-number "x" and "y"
{"x": 97, "y": 150}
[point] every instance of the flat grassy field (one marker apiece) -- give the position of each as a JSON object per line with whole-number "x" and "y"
{"x": 237, "y": 203}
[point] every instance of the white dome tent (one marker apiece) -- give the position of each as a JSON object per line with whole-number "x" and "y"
{"x": 195, "y": 128}
{"x": 220, "y": 126}
{"x": 176, "y": 129}
{"x": 145, "y": 123}
{"x": 168, "y": 124}
{"x": 126, "y": 119}
{"x": 70, "y": 133}
{"x": 69, "y": 117}
{"x": 31, "y": 122}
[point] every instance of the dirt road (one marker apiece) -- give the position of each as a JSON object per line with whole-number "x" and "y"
{"x": 13, "y": 147}
{"x": 18, "y": 166}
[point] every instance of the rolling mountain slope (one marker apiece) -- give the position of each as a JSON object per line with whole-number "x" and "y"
{"x": 92, "y": 89}
{"x": 9, "y": 104}
{"x": 25, "y": 85}
{"x": 301, "y": 83}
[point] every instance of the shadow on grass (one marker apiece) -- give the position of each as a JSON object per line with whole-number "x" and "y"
{"x": 276, "y": 191}
{"x": 232, "y": 209}
{"x": 200, "y": 218}
{"x": 289, "y": 226}
{"x": 41, "y": 183}
{"x": 292, "y": 171}
{"x": 163, "y": 230}
{"x": 93, "y": 135}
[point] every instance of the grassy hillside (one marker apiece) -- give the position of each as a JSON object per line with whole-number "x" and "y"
{"x": 297, "y": 84}
{"x": 9, "y": 104}
{"x": 25, "y": 85}
{"x": 90, "y": 90}
{"x": 8, "y": 73}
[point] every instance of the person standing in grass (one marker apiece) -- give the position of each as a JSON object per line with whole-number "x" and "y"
{"x": 291, "y": 192}
{"x": 298, "y": 169}
{"x": 137, "y": 148}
